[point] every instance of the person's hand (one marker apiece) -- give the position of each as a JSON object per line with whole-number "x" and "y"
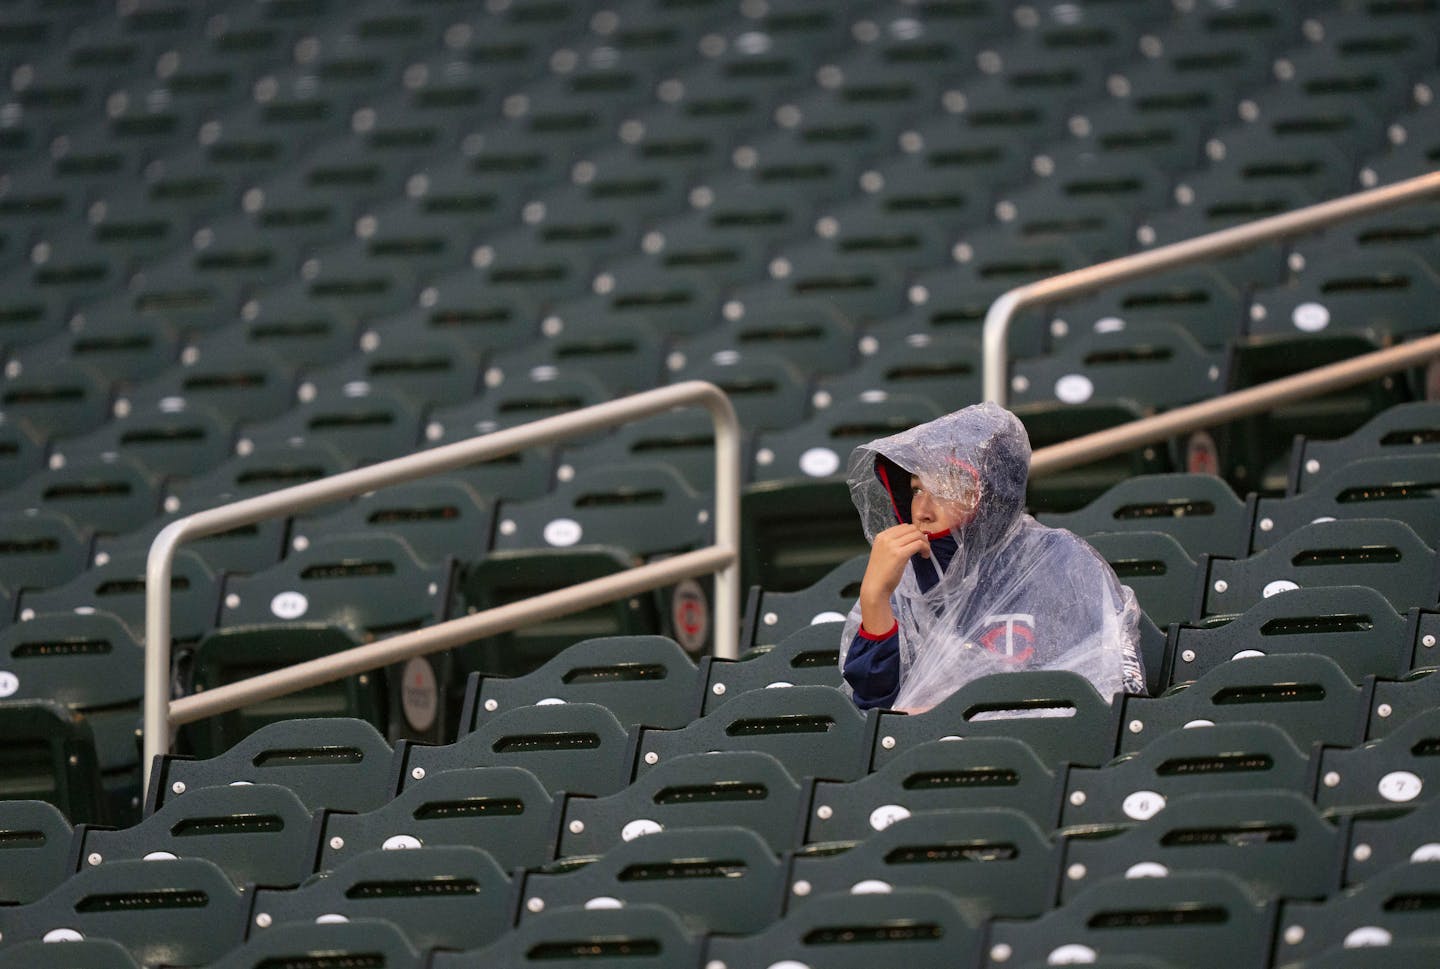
{"x": 889, "y": 554}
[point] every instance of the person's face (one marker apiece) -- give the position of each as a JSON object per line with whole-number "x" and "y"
{"x": 931, "y": 513}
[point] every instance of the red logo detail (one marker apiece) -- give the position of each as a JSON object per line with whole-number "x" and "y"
{"x": 1011, "y": 639}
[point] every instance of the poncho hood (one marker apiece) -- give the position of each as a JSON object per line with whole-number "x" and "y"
{"x": 982, "y": 448}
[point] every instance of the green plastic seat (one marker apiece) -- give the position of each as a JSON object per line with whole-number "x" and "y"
{"x": 378, "y": 943}
{"x": 773, "y": 616}
{"x": 125, "y": 347}
{"x": 369, "y": 584}
{"x": 36, "y": 853}
{"x": 1378, "y": 844}
{"x": 1274, "y": 841}
{"x": 578, "y": 748}
{"x": 634, "y": 937}
{"x": 1156, "y": 567}
{"x": 918, "y": 927}
{"x": 1309, "y": 697}
{"x": 223, "y": 375}
{"x": 85, "y": 954}
{"x": 621, "y": 353}
{"x": 1411, "y": 428}
{"x": 503, "y": 810}
{"x": 1382, "y": 294}
{"x": 109, "y": 497}
{"x": 684, "y": 440}
{"x": 1399, "y": 487}
{"x": 1067, "y": 490}
{"x": 58, "y": 399}
{"x": 810, "y": 656}
{"x": 1381, "y": 912}
{"x": 1187, "y": 920}
{"x": 815, "y": 731}
{"x": 994, "y": 857}
{"x": 177, "y": 913}
{"x": 717, "y": 880}
{"x": 41, "y": 550}
{"x": 92, "y": 665}
{"x": 1254, "y": 451}
{"x": 116, "y": 585}
{"x": 641, "y": 679}
{"x": 427, "y": 369}
{"x": 697, "y": 790}
{"x": 1226, "y": 757}
{"x": 1155, "y": 366}
{"x": 938, "y": 775}
{"x": 51, "y": 756}
{"x": 365, "y": 429}
{"x": 1072, "y": 725}
{"x": 235, "y": 653}
{"x": 941, "y": 367}
{"x": 1200, "y": 511}
{"x": 451, "y": 897}
{"x": 1384, "y": 554}
{"x": 20, "y": 454}
{"x": 255, "y": 833}
{"x": 767, "y": 391}
{"x": 1353, "y": 625}
{"x": 166, "y": 445}
{"x": 337, "y": 763}
{"x": 1199, "y": 299}
{"x": 1397, "y": 701}
{"x": 526, "y": 397}
{"x": 1395, "y": 955}
{"x": 1383, "y": 774}
{"x": 436, "y": 517}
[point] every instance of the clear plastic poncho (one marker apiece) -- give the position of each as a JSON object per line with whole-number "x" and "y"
{"x": 1016, "y": 595}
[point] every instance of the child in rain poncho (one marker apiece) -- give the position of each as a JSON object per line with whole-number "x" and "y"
{"x": 962, "y": 583}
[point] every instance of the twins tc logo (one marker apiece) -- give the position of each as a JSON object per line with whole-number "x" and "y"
{"x": 1011, "y": 637}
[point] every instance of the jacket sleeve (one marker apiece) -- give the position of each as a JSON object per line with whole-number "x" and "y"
{"x": 872, "y": 668}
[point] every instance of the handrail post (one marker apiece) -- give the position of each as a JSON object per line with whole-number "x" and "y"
{"x": 995, "y": 347}
{"x": 721, "y": 558}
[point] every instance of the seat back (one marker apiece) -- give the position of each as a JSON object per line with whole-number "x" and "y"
{"x": 1056, "y": 712}
{"x": 809, "y": 656}
{"x": 717, "y": 880}
{"x": 634, "y": 937}
{"x": 34, "y": 850}
{"x": 696, "y": 790}
{"x": 503, "y": 810}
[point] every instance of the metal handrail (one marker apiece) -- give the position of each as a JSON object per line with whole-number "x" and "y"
{"x": 722, "y": 557}
{"x": 995, "y": 350}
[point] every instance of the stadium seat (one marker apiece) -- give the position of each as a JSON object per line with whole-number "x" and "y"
{"x": 1161, "y": 574}
{"x": 1381, "y": 912}
{"x": 814, "y": 731}
{"x": 256, "y": 834}
{"x": 1387, "y": 487}
{"x": 1353, "y": 625}
{"x": 426, "y": 369}
{"x": 773, "y": 616}
{"x": 20, "y": 454}
{"x": 1412, "y": 428}
{"x": 578, "y": 748}
{"x": 695, "y": 790}
{"x": 92, "y": 665}
{"x": 810, "y": 656}
{"x": 1185, "y": 920}
{"x": 108, "y": 497}
{"x": 182, "y": 444}
{"x": 37, "y": 850}
{"x": 1309, "y": 697}
{"x": 767, "y": 391}
{"x": 435, "y": 517}
{"x": 1381, "y": 294}
{"x": 41, "y": 550}
{"x": 1374, "y": 778}
{"x": 235, "y": 653}
{"x": 371, "y": 584}
{"x": 1396, "y": 702}
{"x": 1075, "y": 487}
{"x": 371, "y": 940}
{"x": 1226, "y": 757}
{"x": 366, "y": 428}
{"x": 634, "y": 937}
{"x": 1379, "y": 844}
{"x": 994, "y": 857}
{"x": 918, "y": 927}
{"x": 1274, "y": 841}
{"x": 1199, "y": 299}
{"x": 85, "y": 954}
{"x": 336, "y": 763}
{"x": 641, "y": 679}
{"x": 622, "y": 354}
{"x": 448, "y": 897}
{"x": 982, "y": 772}
{"x": 57, "y": 400}
{"x": 720, "y": 880}
{"x": 1386, "y": 555}
{"x": 938, "y": 366}
{"x": 685, "y": 440}
{"x": 503, "y": 810}
{"x": 1200, "y": 511}
{"x": 1057, "y": 712}
{"x": 184, "y": 912}
{"x": 51, "y": 756}
{"x": 116, "y": 585}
